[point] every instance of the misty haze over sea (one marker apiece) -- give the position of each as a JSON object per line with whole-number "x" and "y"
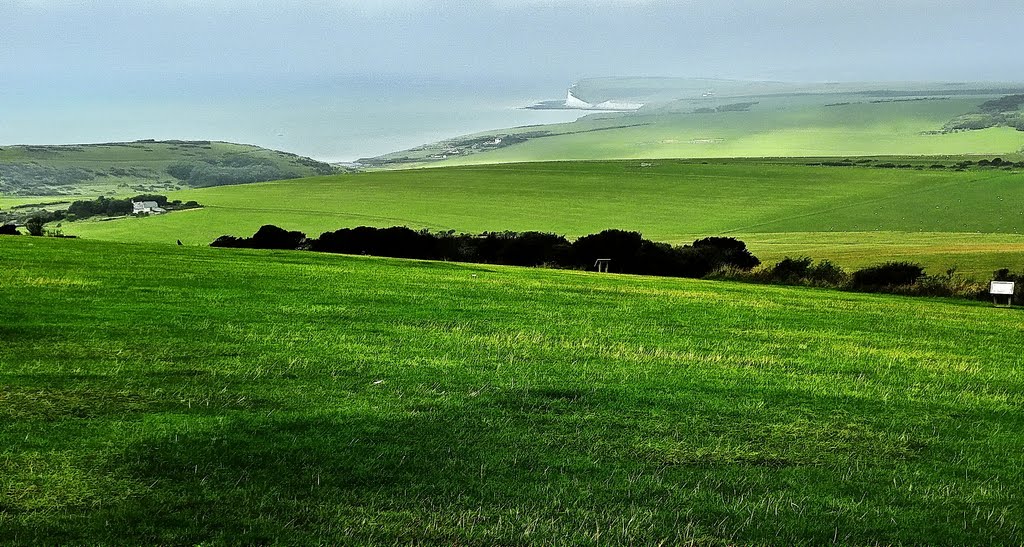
{"x": 337, "y": 80}
{"x": 331, "y": 119}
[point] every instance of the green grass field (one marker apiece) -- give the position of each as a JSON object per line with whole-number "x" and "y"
{"x": 774, "y": 127}
{"x": 155, "y": 394}
{"x": 857, "y": 216}
{"x": 851, "y": 130}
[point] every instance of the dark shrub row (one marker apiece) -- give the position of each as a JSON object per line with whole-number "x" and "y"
{"x": 629, "y": 252}
{"x": 892, "y": 277}
{"x": 1005, "y": 274}
{"x": 886, "y": 276}
{"x": 267, "y": 237}
{"x": 717, "y": 257}
{"x": 101, "y": 206}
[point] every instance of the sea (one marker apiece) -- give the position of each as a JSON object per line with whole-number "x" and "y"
{"x": 333, "y": 119}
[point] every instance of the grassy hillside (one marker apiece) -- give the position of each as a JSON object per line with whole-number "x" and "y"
{"x": 143, "y": 166}
{"x": 773, "y": 126}
{"x": 157, "y": 394}
{"x": 857, "y": 215}
{"x": 851, "y": 130}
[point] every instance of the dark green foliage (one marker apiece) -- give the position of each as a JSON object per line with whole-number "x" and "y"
{"x": 803, "y": 271}
{"x": 516, "y": 249}
{"x": 35, "y": 226}
{"x": 629, "y": 252}
{"x": 320, "y": 167}
{"x": 101, "y": 206}
{"x": 239, "y": 168}
{"x": 397, "y": 242}
{"x": 726, "y": 250}
{"x": 28, "y": 179}
{"x": 618, "y": 245}
{"x": 9, "y": 230}
{"x": 789, "y": 270}
{"x": 1003, "y": 112}
{"x": 891, "y": 278}
{"x": 886, "y": 276}
{"x": 826, "y": 273}
{"x": 143, "y": 166}
{"x": 1004, "y": 274}
{"x": 267, "y": 237}
{"x": 1004, "y": 104}
{"x": 36, "y": 222}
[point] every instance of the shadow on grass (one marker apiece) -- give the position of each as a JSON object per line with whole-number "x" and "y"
{"x": 549, "y": 465}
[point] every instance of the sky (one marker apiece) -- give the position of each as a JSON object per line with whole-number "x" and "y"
{"x": 807, "y": 40}
{"x": 343, "y": 79}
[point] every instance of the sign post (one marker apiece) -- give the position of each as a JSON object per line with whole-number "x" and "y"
{"x": 1002, "y": 291}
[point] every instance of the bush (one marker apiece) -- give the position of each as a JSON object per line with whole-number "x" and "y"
{"x": 618, "y": 245}
{"x": 101, "y": 206}
{"x": 727, "y": 250}
{"x": 35, "y": 226}
{"x": 9, "y": 230}
{"x": 522, "y": 249}
{"x": 396, "y": 242}
{"x": 1005, "y": 274}
{"x": 267, "y": 237}
{"x": 803, "y": 271}
{"x": 827, "y": 273}
{"x": 886, "y": 277}
{"x": 231, "y": 169}
{"x": 789, "y": 270}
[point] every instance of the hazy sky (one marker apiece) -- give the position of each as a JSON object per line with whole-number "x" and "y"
{"x": 345, "y": 79}
{"x": 543, "y": 39}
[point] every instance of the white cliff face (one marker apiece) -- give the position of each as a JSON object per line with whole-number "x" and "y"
{"x": 571, "y": 101}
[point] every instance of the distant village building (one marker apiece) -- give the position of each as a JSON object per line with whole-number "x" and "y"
{"x": 147, "y": 208}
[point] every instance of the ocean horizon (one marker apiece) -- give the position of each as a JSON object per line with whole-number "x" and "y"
{"x": 337, "y": 119}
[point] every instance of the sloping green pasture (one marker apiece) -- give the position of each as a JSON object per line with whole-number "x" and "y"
{"x": 970, "y": 219}
{"x": 776, "y": 126}
{"x": 848, "y": 130}
{"x": 154, "y": 394}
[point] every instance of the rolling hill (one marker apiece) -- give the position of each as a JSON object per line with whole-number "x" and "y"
{"x": 939, "y": 211}
{"x": 142, "y": 166}
{"x": 685, "y": 118}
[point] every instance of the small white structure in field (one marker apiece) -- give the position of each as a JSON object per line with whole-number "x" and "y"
{"x": 602, "y": 264}
{"x": 146, "y": 207}
{"x": 1002, "y": 291}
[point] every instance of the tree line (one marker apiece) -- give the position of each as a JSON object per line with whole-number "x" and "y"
{"x": 104, "y": 206}
{"x": 712, "y": 257}
{"x": 628, "y": 251}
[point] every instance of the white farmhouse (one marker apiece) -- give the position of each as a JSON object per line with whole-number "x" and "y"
{"x": 147, "y": 208}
